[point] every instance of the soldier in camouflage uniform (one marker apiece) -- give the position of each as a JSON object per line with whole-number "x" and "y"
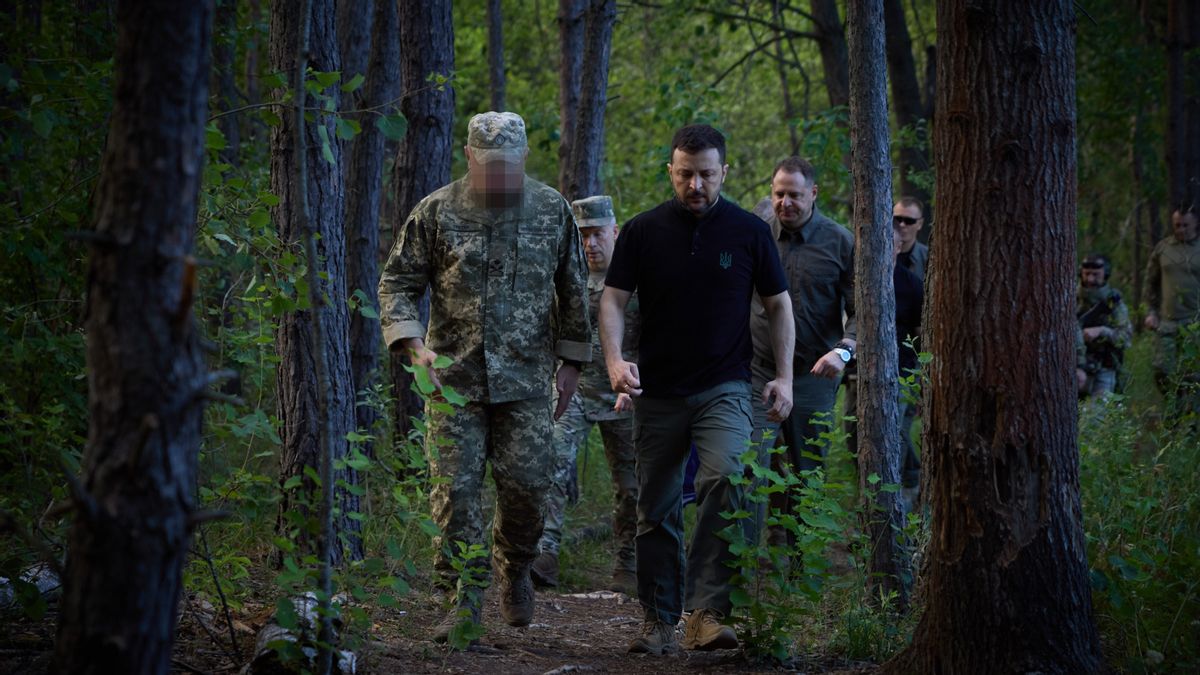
{"x": 1173, "y": 294}
{"x": 501, "y": 256}
{"x": 595, "y": 404}
{"x": 1104, "y": 321}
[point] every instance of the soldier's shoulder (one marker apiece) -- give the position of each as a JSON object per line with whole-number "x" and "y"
{"x": 447, "y": 195}
{"x": 543, "y": 195}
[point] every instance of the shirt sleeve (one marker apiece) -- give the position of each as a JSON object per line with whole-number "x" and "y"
{"x": 850, "y": 331}
{"x": 769, "y": 278}
{"x": 574, "y": 340}
{"x": 404, "y": 278}
{"x": 622, "y": 270}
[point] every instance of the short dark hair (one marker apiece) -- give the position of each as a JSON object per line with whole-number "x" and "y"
{"x": 1185, "y": 208}
{"x": 798, "y": 165}
{"x": 908, "y": 200}
{"x": 695, "y": 138}
{"x": 1097, "y": 261}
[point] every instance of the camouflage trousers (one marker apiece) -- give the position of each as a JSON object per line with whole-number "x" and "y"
{"x": 515, "y": 438}
{"x": 571, "y": 433}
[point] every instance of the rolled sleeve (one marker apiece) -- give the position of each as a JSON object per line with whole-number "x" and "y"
{"x": 403, "y": 281}
{"x": 574, "y": 339}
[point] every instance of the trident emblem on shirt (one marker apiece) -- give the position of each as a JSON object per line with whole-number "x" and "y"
{"x": 726, "y": 259}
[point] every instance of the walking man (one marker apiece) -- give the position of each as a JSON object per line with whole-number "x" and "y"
{"x": 695, "y": 261}
{"x": 501, "y": 257}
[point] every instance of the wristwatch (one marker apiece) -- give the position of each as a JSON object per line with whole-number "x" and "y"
{"x": 844, "y": 352}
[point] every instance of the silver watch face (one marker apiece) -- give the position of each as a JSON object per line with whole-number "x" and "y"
{"x": 844, "y": 354}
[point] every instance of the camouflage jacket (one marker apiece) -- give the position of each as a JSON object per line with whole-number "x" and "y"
{"x": 1173, "y": 282}
{"x": 507, "y": 290}
{"x": 1104, "y": 307}
{"x": 595, "y": 389}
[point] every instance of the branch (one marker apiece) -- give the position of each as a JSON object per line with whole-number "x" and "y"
{"x": 736, "y": 17}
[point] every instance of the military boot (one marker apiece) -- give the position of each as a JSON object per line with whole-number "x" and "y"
{"x": 516, "y": 598}
{"x": 544, "y": 570}
{"x": 624, "y": 581}
{"x": 463, "y": 623}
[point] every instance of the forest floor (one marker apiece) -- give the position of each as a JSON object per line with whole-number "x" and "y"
{"x": 572, "y": 632}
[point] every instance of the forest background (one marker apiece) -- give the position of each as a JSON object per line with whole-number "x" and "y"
{"x": 765, "y": 73}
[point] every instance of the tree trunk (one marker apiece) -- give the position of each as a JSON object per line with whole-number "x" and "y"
{"x": 1183, "y": 101}
{"x": 495, "y": 19}
{"x": 354, "y": 34}
{"x": 364, "y": 191}
{"x": 146, "y": 375}
{"x": 423, "y": 164}
{"x": 1006, "y": 575}
{"x": 875, "y": 299}
{"x": 571, "y": 15}
{"x": 785, "y": 90}
{"x": 224, "y": 62}
{"x": 834, "y": 53}
{"x": 587, "y": 148}
{"x": 906, "y": 96}
{"x": 300, "y": 421}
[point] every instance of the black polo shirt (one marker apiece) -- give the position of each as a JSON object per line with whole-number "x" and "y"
{"x": 695, "y": 277}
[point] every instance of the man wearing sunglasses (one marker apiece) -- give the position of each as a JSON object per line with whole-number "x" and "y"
{"x": 908, "y": 217}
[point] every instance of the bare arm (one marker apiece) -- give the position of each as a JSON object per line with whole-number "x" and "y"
{"x": 621, "y": 373}
{"x": 783, "y": 346}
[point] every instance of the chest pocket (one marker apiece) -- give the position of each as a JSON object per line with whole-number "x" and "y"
{"x": 821, "y": 275}
{"x": 461, "y": 247}
{"x": 536, "y": 255}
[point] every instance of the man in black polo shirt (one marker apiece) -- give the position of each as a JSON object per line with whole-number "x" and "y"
{"x": 695, "y": 262}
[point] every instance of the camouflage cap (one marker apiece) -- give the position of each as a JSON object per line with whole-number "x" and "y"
{"x": 497, "y": 136}
{"x": 594, "y": 211}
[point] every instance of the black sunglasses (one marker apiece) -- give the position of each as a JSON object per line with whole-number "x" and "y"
{"x": 905, "y": 220}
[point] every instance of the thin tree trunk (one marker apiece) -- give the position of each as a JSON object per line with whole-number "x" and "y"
{"x": 834, "y": 53}
{"x": 875, "y": 299}
{"x": 1006, "y": 573}
{"x": 906, "y": 96}
{"x": 571, "y": 14}
{"x": 495, "y": 19}
{"x": 299, "y": 411}
{"x": 364, "y": 191}
{"x": 423, "y": 164}
{"x": 146, "y": 375}
{"x": 789, "y": 109}
{"x": 224, "y": 62}
{"x": 1183, "y": 101}
{"x": 587, "y": 148}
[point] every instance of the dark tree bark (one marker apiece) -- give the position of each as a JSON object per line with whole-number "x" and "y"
{"x": 495, "y": 19}
{"x": 299, "y": 412}
{"x": 146, "y": 375}
{"x": 571, "y": 16}
{"x": 253, "y": 94}
{"x": 587, "y": 148}
{"x": 906, "y": 96}
{"x": 1006, "y": 575}
{"x": 224, "y": 63}
{"x": 354, "y": 35}
{"x": 785, "y": 89}
{"x": 423, "y": 164}
{"x": 364, "y": 192}
{"x": 875, "y": 298}
{"x": 1183, "y": 101}
{"x": 834, "y": 53}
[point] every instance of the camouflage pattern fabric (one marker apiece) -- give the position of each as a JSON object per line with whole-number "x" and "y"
{"x": 593, "y": 405}
{"x": 1096, "y": 307}
{"x": 507, "y": 290}
{"x": 515, "y": 437}
{"x": 1172, "y": 290}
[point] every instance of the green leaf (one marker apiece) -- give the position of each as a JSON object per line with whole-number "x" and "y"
{"x": 221, "y": 236}
{"x": 268, "y": 198}
{"x": 347, "y": 129}
{"x": 325, "y": 80}
{"x": 442, "y": 362}
{"x": 354, "y": 83}
{"x": 213, "y": 138}
{"x": 292, "y": 483}
{"x": 393, "y": 127}
{"x": 326, "y": 150}
{"x": 259, "y": 219}
{"x": 453, "y": 397}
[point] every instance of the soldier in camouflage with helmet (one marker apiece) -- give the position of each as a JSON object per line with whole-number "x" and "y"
{"x": 502, "y": 259}
{"x": 1104, "y": 320}
{"x": 595, "y": 404}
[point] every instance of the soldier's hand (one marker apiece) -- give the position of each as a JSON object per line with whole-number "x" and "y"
{"x": 830, "y": 365}
{"x": 1080, "y": 379}
{"x": 420, "y": 356}
{"x": 1151, "y": 321}
{"x": 624, "y": 402}
{"x": 565, "y": 383}
{"x": 623, "y": 375}
{"x": 781, "y": 391}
